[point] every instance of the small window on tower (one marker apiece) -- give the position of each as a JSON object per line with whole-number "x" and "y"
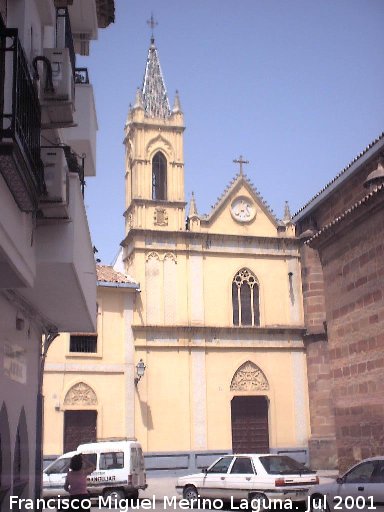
{"x": 159, "y": 176}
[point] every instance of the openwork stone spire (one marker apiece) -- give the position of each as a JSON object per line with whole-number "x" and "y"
{"x": 155, "y": 97}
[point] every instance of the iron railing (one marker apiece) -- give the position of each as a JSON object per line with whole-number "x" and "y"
{"x": 20, "y": 113}
{"x": 81, "y": 76}
{"x": 75, "y": 164}
{"x": 86, "y": 343}
{"x": 64, "y": 38}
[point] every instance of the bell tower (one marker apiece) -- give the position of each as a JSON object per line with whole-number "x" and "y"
{"x": 154, "y": 162}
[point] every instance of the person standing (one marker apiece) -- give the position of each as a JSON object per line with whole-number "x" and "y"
{"x": 76, "y": 483}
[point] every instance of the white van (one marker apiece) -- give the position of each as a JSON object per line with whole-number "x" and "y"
{"x": 119, "y": 470}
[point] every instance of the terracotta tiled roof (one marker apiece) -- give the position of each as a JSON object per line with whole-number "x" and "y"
{"x": 378, "y": 190}
{"x": 379, "y": 138}
{"x": 107, "y": 274}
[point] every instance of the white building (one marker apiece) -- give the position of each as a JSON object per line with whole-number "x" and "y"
{"x": 47, "y": 268}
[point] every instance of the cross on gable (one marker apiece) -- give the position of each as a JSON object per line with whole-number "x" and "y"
{"x": 241, "y": 162}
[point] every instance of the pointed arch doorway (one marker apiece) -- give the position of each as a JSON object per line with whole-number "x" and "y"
{"x": 249, "y": 412}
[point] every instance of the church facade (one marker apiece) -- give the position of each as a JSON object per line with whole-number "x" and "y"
{"x": 219, "y": 321}
{"x": 217, "y": 318}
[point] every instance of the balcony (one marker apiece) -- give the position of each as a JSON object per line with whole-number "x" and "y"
{"x": 84, "y": 22}
{"x": 64, "y": 37}
{"x": 58, "y": 162}
{"x": 82, "y": 136}
{"x": 64, "y": 289}
{"x": 20, "y": 163}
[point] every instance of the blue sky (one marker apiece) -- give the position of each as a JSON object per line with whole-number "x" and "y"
{"x": 295, "y": 86}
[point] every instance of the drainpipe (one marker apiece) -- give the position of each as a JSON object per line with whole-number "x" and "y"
{"x": 47, "y": 341}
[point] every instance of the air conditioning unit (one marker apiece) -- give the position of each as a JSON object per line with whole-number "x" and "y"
{"x": 57, "y": 105}
{"x": 55, "y": 203}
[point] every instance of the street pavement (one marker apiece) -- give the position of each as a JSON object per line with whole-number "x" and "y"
{"x": 160, "y": 487}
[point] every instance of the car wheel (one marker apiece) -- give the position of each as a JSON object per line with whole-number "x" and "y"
{"x": 318, "y": 503}
{"x": 190, "y": 492}
{"x": 115, "y": 495}
{"x": 260, "y": 501}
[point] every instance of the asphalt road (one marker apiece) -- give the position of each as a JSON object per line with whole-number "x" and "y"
{"x": 169, "y": 504}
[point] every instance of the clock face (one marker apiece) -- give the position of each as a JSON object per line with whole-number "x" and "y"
{"x": 243, "y": 209}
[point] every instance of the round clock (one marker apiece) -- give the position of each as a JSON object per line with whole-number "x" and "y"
{"x": 243, "y": 209}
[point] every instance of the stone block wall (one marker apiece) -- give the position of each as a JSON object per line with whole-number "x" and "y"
{"x": 354, "y": 296}
{"x": 343, "y": 285}
{"x": 322, "y": 443}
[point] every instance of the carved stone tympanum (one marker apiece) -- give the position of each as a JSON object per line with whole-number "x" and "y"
{"x": 80, "y": 394}
{"x": 249, "y": 377}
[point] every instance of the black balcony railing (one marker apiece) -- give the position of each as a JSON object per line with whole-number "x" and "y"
{"x": 64, "y": 38}
{"x": 75, "y": 164}
{"x": 81, "y": 76}
{"x": 20, "y": 124}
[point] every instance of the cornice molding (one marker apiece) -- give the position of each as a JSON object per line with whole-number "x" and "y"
{"x": 355, "y": 215}
{"x": 207, "y": 238}
{"x": 220, "y": 331}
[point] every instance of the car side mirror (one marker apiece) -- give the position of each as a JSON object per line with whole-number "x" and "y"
{"x": 205, "y": 470}
{"x": 340, "y": 480}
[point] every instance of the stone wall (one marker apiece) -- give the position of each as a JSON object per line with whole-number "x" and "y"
{"x": 353, "y": 266}
{"x": 322, "y": 443}
{"x": 343, "y": 284}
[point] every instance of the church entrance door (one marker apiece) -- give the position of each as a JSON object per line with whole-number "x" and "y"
{"x": 250, "y": 433}
{"x": 79, "y": 427}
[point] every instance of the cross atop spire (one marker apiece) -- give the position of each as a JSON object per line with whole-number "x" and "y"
{"x": 241, "y": 162}
{"x": 152, "y": 24}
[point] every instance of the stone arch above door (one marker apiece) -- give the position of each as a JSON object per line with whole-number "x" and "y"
{"x": 80, "y": 394}
{"x": 249, "y": 377}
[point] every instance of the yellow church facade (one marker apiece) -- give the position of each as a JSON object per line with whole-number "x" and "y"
{"x": 215, "y": 313}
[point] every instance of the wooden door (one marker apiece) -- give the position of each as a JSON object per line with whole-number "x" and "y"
{"x": 250, "y": 433}
{"x": 79, "y": 427}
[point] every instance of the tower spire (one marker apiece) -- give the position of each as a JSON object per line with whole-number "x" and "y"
{"x": 155, "y": 98}
{"x": 287, "y": 214}
{"x": 192, "y": 207}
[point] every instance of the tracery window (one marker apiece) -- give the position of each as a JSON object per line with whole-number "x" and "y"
{"x": 245, "y": 298}
{"x": 159, "y": 176}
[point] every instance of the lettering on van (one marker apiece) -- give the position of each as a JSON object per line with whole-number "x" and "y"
{"x": 93, "y": 479}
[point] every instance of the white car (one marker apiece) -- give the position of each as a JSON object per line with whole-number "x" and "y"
{"x": 257, "y": 478}
{"x": 360, "y": 488}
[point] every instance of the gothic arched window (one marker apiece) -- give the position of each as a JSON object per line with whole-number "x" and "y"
{"x": 245, "y": 298}
{"x": 159, "y": 176}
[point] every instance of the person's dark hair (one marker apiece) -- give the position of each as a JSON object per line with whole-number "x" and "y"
{"x": 76, "y": 462}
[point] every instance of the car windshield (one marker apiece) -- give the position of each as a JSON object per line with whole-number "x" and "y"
{"x": 59, "y": 466}
{"x": 283, "y": 465}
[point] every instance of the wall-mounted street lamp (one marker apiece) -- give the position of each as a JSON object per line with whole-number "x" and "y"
{"x": 140, "y": 370}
